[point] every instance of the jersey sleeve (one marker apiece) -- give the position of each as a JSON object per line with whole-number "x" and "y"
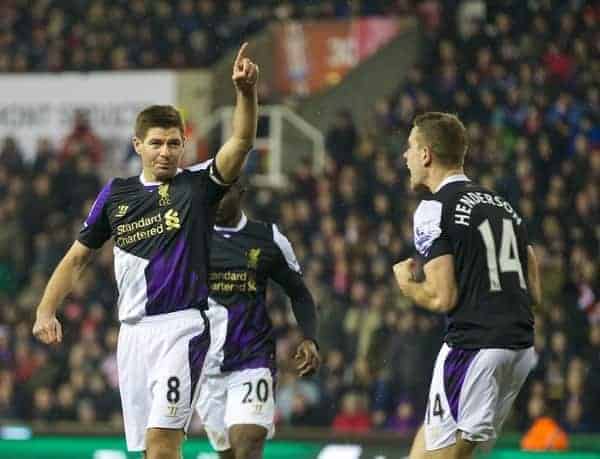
{"x": 215, "y": 185}
{"x": 287, "y": 273}
{"x": 431, "y": 240}
{"x": 286, "y": 250}
{"x": 96, "y": 227}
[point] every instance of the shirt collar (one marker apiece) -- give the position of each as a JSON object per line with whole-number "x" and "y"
{"x": 240, "y": 226}
{"x": 451, "y": 179}
{"x": 146, "y": 183}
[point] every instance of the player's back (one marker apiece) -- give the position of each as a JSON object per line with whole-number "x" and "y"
{"x": 488, "y": 240}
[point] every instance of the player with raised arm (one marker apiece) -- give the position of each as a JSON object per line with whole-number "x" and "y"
{"x": 237, "y": 404}
{"x": 161, "y": 223}
{"x": 482, "y": 273}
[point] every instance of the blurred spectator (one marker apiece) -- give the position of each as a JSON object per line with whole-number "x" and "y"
{"x": 82, "y": 141}
{"x": 65, "y": 403}
{"x": 43, "y": 405}
{"x": 353, "y": 415}
{"x": 7, "y": 396}
{"x": 11, "y": 157}
{"x": 342, "y": 138}
{"x": 405, "y": 420}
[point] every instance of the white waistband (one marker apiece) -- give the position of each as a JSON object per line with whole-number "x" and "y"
{"x": 177, "y": 315}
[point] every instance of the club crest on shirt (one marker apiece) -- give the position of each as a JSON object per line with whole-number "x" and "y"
{"x": 121, "y": 210}
{"x": 172, "y": 220}
{"x": 163, "y": 192}
{"x": 253, "y": 256}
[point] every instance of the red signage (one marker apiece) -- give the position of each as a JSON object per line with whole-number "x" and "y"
{"x": 313, "y": 55}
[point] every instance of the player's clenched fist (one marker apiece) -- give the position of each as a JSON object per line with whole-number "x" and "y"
{"x": 245, "y": 72}
{"x": 404, "y": 272}
{"x": 307, "y": 357}
{"x": 47, "y": 329}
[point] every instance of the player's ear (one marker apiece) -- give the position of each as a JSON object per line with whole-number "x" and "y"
{"x": 426, "y": 156}
{"x": 137, "y": 145}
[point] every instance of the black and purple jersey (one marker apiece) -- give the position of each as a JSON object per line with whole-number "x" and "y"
{"x": 161, "y": 234}
{"x": 242, "y": 261}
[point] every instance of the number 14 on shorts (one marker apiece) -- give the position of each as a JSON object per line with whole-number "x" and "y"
{"x": 434, "y": 409}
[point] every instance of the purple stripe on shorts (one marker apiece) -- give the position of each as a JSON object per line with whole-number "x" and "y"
{"x": 197, "y": 350}
{"x": 455, "y": 369}
{"x": 98, "y": 205}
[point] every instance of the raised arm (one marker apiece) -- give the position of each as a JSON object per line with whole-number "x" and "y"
{"x": 47, "y": 327}
{"x": 533, "y": 276}
{"x": 231, "y": 156}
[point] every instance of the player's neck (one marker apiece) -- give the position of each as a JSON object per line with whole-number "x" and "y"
{"x": 149, "y": 176}
{"x": 438, "y": 176}
{"x": 230, "y": 223}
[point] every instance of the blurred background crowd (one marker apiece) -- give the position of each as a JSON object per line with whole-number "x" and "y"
{"x": 524, "y": 81}
{"x": 46, "y": 35}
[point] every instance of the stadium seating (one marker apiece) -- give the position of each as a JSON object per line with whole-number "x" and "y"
{"x": 524, "y": 80}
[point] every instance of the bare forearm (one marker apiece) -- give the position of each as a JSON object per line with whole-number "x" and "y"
{"x": 61, "y": 283}
{"x": 423, "y": 295}
{"x": 232, "y": 155}
{"x": 533, "y": 275}
{"x": 245, "y": 117}
{"x": 438, "y": 292}
{"x": 59, "y": 286}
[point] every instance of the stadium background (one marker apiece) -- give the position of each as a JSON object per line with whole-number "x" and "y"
{"x": 522, "y": 75}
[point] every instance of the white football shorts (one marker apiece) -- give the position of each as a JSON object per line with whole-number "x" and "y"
{"x": 472, "y": 391}
{"x": 160, "y": 362}
{"x": 237, "y": 397}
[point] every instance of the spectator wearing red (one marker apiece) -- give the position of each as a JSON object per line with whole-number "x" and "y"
{"x": 82, "y": 141}
{"x": 353, "y": 416}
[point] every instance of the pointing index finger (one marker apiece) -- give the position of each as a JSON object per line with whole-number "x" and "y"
{"x": 240, "y": 54}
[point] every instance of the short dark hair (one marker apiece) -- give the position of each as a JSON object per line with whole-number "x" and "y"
{"x": 446, "y": 135}
{"x": 161, "y": 116}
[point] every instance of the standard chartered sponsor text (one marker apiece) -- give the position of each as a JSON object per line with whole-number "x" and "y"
{"x": 144, "y": 228}
{"x": 139, "y": 224}
{"x": 229, "y": 276}
{"x": 140, "y": 235}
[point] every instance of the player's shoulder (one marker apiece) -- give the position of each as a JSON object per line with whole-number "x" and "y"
{"x": 193, "y": 172}
{"x": 259, "y": 229}
{"x": 269, "y": 233}
{"x": 451, "y": 191}
{"x": 120, "y": 182}
{"x": 119, "y": 186}
{"x": 427, "y": 223}
{"x": 204, "y": 166}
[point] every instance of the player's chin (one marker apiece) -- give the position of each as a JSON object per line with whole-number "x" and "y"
{"x": 164, "y": 172}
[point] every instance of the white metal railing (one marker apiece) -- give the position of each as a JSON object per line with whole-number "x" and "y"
{"x": 272, "y": 144}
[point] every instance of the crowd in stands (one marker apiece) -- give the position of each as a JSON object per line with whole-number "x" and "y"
{"x": 46, "y": 35}
{"x": 523, "y": 79}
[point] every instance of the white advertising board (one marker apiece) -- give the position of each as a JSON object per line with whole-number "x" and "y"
{"x": 42, "y": 105}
